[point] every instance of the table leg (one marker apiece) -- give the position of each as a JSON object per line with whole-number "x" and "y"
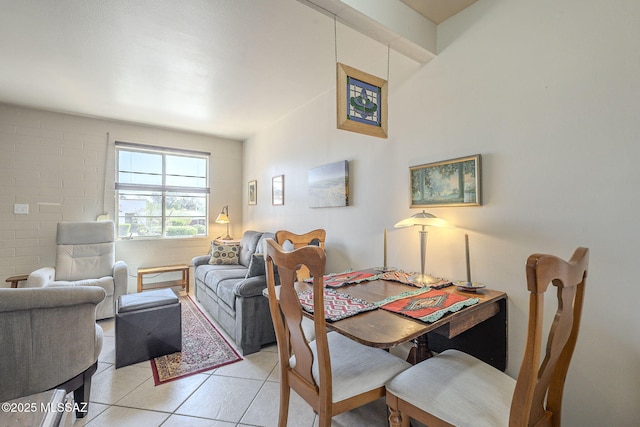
{"x": 420, "y": 350}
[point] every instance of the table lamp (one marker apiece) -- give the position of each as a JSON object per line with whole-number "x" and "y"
{"x": 223, "y": 218}
{"x": 423, "y": 219}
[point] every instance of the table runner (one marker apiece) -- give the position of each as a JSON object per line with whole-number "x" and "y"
{"x": 425, "y": 304}
{"x": 337, "y": 305}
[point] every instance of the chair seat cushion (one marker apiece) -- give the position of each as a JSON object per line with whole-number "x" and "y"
{"x": 105, "y": 283}
{"x": 457, "y": 388}
{"x": 357, "y": 368}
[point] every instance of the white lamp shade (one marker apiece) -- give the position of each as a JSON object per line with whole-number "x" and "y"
{"x": 422, "y": 218}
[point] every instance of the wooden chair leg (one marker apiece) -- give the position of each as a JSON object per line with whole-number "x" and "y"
{"x": 285, "y": 393}
{"x": 397, "y": 420}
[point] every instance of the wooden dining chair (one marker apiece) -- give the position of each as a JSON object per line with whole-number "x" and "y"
{"x": 456, "y": 389}
{"x": 290, "y": 240}
{"x": 332, "y": 373}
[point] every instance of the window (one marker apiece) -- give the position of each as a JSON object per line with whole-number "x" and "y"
{"x": 161, "y": 192}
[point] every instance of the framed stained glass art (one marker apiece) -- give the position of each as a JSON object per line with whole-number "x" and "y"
{"x": 361, "y": 102}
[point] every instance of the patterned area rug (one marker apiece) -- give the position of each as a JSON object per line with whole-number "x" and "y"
{"x": 203, "y": 348}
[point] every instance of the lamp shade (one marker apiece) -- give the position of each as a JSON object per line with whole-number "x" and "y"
{"x": 422, "y": 218}
{"x": 222, "y": 218}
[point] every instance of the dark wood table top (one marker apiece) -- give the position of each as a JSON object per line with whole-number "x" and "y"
{"x": 384, "y": 329}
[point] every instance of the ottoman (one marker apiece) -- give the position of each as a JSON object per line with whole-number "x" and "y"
{"x": 148, "y": 325}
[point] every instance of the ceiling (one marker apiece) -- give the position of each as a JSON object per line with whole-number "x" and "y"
{"x": 222, "y": 67}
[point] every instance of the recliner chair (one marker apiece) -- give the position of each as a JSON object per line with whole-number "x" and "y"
{"x": 86, "y": 257}
{"x": 49, "y": 339}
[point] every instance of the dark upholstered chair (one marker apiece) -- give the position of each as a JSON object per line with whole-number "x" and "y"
{"x": 49, "y": 339}
{"x": 456, "y": 389}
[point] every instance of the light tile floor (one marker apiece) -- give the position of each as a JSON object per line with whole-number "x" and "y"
{"x": 245, "y": 393}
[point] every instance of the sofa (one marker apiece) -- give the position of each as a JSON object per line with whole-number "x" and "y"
{"x": 229, "y": 282}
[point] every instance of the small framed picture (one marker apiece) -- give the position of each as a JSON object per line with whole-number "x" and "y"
{"x": 253, "y": 192}
{"x": 277, "y": 190}
{"x": 453, "y": 182}
{"x": 361, "y": 102}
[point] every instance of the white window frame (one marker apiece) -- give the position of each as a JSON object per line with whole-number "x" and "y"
{"x": 163, "y": 188}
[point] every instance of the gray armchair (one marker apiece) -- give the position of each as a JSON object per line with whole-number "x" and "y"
{"x": 49, "y": 339}
{"x": 86, "y": 257}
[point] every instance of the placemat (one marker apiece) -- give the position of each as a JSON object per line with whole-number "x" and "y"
{"x": 337, "y": 305}
{"x": 347, "y": 278}
{"x": 403, "y": 277}
{"x": 426, "y": 304}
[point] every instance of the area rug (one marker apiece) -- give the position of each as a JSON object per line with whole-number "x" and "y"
{"x": 203, "y": 348}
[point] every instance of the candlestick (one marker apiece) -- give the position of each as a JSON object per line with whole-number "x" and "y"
{"x": 466, "y": 245}
{"x": 385, "y": 249}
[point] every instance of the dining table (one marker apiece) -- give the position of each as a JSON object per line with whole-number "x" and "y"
{"x": 479, "y": 329}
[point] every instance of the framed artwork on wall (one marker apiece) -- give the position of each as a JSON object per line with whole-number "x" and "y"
{"x": 361, "y": 102}
{"x": 329, "y": 185}
{"x": 277, "y": 190}
{"x": 253, "y": 192}
{"x": 454, "y": 182}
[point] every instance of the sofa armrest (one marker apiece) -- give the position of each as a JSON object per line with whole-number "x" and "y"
{"x": 41, "y": 277}
{"x": 200, "y": 260}
{"x": 251, "y": 286}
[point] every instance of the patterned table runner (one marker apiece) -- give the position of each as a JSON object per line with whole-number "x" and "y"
{"x": 425, "y": 304}
{"x": 337, "y": 305}
{"x": 403, "y": 277}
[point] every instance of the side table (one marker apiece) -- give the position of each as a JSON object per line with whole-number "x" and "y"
{"x": 184, "y": 282}
{"x": 15, "y": 279}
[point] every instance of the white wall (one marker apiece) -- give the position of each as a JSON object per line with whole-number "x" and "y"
{"x": 547, "y": 92}
{"x": 56, "y": 163}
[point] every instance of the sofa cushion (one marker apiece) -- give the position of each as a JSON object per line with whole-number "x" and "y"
{"x": 213, "y": 277}
{"x": 248, "y": 245}
{"x": 256, "y": 267}
{"x": 224, "y": 254}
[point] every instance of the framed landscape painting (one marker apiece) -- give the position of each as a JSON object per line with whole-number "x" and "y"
{"x": 329, "y": 185}
{"x": 453, "y": 182}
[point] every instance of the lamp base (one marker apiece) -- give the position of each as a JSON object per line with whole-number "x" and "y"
{"x": 227, "y": 237}
{"x": 423, "y": 279}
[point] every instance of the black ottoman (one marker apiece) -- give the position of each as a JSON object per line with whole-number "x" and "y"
{"x": 148, "y": 325}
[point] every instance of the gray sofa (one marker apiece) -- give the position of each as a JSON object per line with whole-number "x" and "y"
{"x": 232, "y": 294}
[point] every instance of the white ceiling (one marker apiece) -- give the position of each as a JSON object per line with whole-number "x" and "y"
{"x": 221, "y": 67}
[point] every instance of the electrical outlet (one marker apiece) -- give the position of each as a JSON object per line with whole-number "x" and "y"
{"x": 21, "y": 209}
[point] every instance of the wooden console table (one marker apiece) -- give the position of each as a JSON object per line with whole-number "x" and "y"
{"x": 184, "y": 282}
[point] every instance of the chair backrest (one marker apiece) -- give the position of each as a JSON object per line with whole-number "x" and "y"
{"x": 86, "y": 250}
{"x": 286, "y": 312}
{"x": 313, "y": 238}
{"x": 537, "y": 398}
{"x": 289, "y": 240}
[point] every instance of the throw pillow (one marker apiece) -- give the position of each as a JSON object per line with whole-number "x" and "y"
{"x": 224, "y": 254}
{"x": 256, "y": 266}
